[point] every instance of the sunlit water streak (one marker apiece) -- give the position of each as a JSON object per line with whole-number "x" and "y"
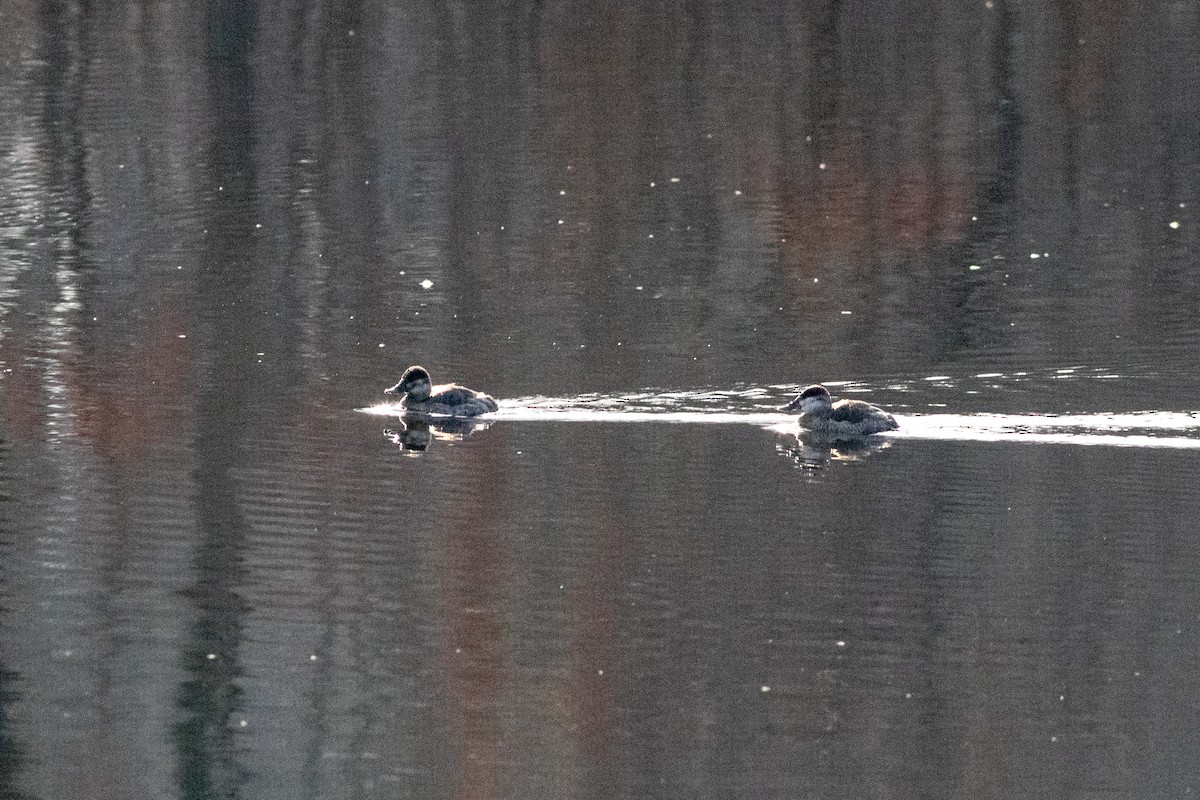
{"x": 758, "y": 406}
{"x": 1144, "y": 429}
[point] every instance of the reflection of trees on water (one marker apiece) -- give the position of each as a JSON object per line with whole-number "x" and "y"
{"x": 276, "y": 189}
{"x": 859, "y": 167}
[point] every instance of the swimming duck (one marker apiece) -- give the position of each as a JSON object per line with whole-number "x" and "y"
{"x": 843, "y": 419}
{"x": 421, "y": 396}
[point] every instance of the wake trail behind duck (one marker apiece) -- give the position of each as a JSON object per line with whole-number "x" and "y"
{"x": 759, "y": 406}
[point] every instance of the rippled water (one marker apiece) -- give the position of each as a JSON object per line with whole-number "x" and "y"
{"x": 227, "y": 569}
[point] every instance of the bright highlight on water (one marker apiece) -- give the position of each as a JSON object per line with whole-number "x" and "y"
{"x": 758, "y": 406}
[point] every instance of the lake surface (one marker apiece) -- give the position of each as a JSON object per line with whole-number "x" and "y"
{"x": 228, "y": 570}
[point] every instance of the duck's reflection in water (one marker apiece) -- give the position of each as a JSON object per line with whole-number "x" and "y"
{"x": 416, "y": 432}
{"x": 814, "y": 451}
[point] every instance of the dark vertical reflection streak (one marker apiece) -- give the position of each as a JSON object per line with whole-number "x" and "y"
{"x": 701, "y": 211}
{"x": 996, "y": 195}
{"x": 454, "y": 132}
{"x": 65, "y": 53}
{"x": 827, "y": 63}
{"x": 973, "y": 304}
{"x": 1071, "y": 64}
{"x": 12, "y": 754}
{"x": 210, "y": 697}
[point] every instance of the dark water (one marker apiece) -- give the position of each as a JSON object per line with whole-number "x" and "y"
{"x": 225, "y": 227}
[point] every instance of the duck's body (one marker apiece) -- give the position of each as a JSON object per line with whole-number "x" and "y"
{"x": 420, "y": 396}
{"x": 845, "y": 419}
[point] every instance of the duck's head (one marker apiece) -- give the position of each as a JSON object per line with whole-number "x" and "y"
{"x": 414, "y": 382}
{"x": 813, "y": 398}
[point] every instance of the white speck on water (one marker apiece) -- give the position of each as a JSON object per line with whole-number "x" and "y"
{"x": 426, "y": 284}
{"x": 1035, "y": 255}
{"x": 821, "y": 165}
{"x": 560, "y": 222}
{"x": 652, "y": 236}
{"x": 737, "y": 192}
{"x": 1174, "y": 225}
{"x": 841, "y": 643}
{"x": 562, "y": 192}
{"x": 974, "y": 266}
{"x": 212, "y": 656}
{"x": 651, "y": 184}
{"x": 639, "y": 288}
{"x": 183, "y": 336}
{"x": 381, "y": 344}
{"x": 847, "y": 313}
{"x": 816, "y": 280}
{"x": 766, "y": 688}
{"x": 312, "y": 657}
{"x": 243, "y": 723}
{"x": 938, "y": 378}
{"x": 674, "y": 180}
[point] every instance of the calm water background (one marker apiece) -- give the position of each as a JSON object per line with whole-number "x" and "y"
{"x": 225, "y": 227}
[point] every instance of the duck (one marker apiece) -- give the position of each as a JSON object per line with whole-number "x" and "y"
{"x": 845, "y": 419}
{"x": 420, "y": 396}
